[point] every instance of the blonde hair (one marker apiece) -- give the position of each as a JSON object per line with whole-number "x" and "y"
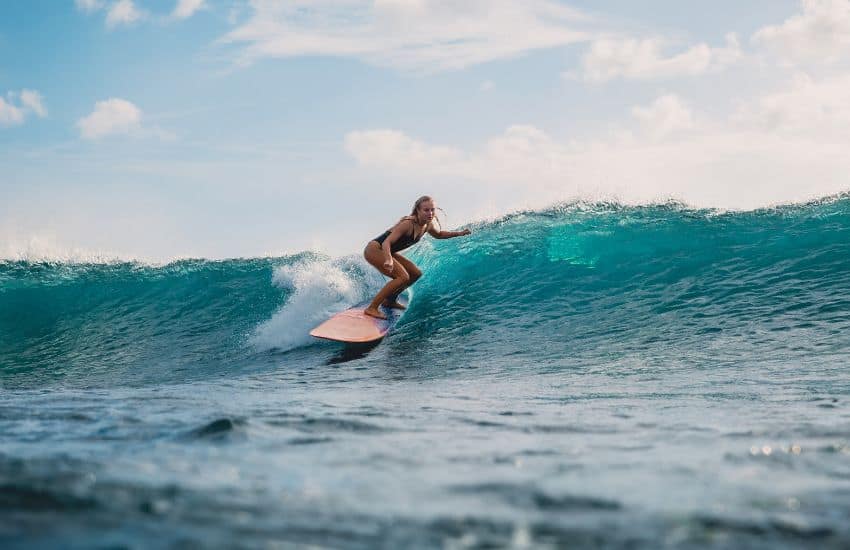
{"x": 415, "y": 209}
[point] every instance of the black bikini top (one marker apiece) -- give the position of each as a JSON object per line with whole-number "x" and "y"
{"x": 403, "y": 242}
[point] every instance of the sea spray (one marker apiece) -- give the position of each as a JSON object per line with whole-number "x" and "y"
{"x": 317, "y": 289}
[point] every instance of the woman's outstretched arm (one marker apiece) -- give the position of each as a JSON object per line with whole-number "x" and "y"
{"x": 447, "y": 234}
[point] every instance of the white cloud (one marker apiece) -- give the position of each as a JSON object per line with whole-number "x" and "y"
{"x": 419, "y": 35}
{"x": 10, "y": 115}
{"x": 187, "y": 8}
{"x": 112, "y": 116}
{"x": 521, "y": 141}
{"x": 123, "y": 12}
{"x": 818, "y": 109}
{"x": 30, "y": 101}
{"x": 820, "y": 32}
{"x": 784, "y": 146}
{"x": 119, "y": 12}
{"x": 384, "y": 147}
{"x": 666, "y": 115}
{"x": 523, "y": 156}
{"x": 88, "y": 5}
{"x": 34, "y": 101}
{"x": 608, "y": 59}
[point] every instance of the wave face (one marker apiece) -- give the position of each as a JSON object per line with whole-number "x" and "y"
{"x": 96, "y": 323}
{"x": 573, "y": 285}
{"x": 660, "y": 283}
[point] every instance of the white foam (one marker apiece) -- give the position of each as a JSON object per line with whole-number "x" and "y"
{"x": 319, "y": 289}
{"x": 46, "y": 248}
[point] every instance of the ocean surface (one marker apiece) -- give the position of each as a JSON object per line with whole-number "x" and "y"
{"x": 591, "y": 375}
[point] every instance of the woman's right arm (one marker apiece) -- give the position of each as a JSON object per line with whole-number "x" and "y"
{"x": 397, "y": 231}
{"x": 388, "y": 253}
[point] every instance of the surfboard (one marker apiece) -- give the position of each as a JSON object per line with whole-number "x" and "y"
{"x": 355, "y": 327}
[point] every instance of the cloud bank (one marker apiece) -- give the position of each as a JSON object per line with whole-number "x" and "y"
{"x": 418, "y": 35}
{"x": 820, "y": 33}
{"x": 785, "y": 145}
{"x": 608, "y": 59}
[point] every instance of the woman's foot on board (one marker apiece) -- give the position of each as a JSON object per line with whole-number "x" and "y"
{"x": 394, "y": 305}
{"x": 373, "y": 312}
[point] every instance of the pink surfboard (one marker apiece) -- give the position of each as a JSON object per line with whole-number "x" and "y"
{"x": 355, "y": 327}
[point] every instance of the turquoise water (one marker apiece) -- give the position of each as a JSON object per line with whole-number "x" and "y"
{"x": 587, "y": 375}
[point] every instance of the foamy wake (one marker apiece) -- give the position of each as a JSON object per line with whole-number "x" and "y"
{"x": 319, "y": 289}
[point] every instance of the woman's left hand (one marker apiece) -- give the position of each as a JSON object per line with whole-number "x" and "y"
{"x": 465, "y": 232}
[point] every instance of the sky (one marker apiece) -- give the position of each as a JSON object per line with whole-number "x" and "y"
{"x": 161, "y": 129}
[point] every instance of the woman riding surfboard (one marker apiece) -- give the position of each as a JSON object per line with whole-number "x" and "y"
{"x": 383, "y": 252}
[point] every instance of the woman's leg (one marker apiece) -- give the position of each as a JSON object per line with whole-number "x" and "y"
{"x": 400, "y": 278}
{"x": 413, "y": 273}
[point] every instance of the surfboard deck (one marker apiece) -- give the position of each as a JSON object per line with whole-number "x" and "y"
{"x": 352, "y": 326}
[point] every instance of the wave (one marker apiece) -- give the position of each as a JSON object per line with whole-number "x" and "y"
{"x": 130, "y": 321}
{"x": 573, "y": 284}
{"x": 604, "y": 282}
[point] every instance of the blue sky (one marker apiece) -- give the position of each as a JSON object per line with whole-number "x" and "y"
{"x": 156, "y": 129}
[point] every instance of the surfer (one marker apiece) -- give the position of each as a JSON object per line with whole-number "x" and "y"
{"x": 383, "y": 253}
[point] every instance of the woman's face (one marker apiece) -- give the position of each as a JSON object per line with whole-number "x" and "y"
{"x": 426, "y": 211}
